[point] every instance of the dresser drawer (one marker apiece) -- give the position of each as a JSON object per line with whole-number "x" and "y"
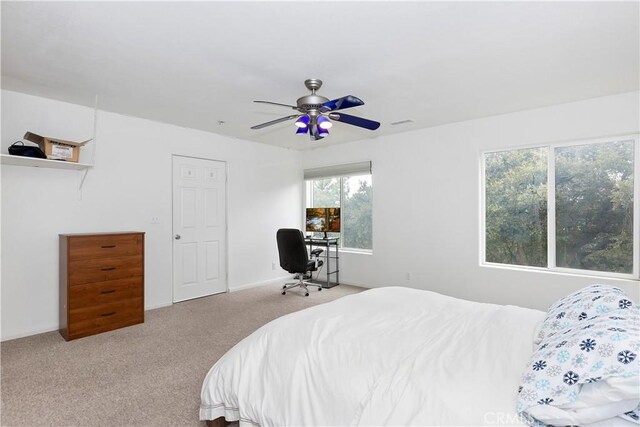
{"x": 92, "y": 294}
{"x": 103, "y": 269}
{"x": 100, "y": 318}
{"x": 104, "y": 246}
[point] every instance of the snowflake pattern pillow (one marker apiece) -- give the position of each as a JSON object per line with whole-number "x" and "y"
{"x": 601, "y": 351}
{"x": 580, "y": 305}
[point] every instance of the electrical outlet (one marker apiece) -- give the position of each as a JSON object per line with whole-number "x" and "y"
{"x": 273, "y": 265}
{"x": 408, "y": 276}
{"x": 155, "y": 220}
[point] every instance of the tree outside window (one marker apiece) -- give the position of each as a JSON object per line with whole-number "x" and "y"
{"x": 594, "y": 207}
{"x": 353, "y": 194}
{"x": 516, "y": 207}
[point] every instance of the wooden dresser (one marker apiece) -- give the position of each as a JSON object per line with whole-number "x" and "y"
{"x": 101, "y": 282}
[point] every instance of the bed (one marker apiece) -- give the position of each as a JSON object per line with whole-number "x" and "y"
{"x": 387, "y": 356}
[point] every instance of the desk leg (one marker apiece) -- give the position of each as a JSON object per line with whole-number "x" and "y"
{"x": 337, "y": 266}
{"x": 328, "y": 258}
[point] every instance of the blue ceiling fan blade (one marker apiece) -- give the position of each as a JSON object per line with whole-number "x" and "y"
{"x": 342, "y": 103}
{"x": 355, "y": 121}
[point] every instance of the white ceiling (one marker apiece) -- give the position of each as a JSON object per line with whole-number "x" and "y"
{"x": 195, "y": 64}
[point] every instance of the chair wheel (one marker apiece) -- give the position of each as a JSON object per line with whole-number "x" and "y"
{"x": 320, "y": 288}
{"x": 284, "y": 286}
{"x": 284, "y": 293}
{"x": 307, "y": 294}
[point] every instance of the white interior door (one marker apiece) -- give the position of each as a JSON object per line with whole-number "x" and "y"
{"x": 199, "y": 228}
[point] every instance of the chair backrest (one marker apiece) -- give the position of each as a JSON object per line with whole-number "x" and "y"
{"x": 292, "y": 250}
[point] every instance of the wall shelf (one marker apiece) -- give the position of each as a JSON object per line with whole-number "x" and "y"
{"x": 8, "y": 159}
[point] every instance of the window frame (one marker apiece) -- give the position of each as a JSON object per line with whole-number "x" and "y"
{"x": 551, "y": 209}
{"x": 309, "y": 196}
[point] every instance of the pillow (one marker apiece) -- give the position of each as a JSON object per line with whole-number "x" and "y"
{"x": 587, "y": 372}
{"x": 598, "y": 401}
{"x": 581, "y": 306}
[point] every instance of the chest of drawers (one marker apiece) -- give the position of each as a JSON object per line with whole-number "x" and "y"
{"x": 101, "y": 282}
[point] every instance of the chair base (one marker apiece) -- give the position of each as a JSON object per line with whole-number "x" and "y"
{"x": 300, "y": 283}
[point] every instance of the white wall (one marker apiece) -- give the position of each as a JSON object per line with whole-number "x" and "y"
{"x": 426, "y": 194}
{"x": 130, "y": 183}
{"x": 426, "y": 198}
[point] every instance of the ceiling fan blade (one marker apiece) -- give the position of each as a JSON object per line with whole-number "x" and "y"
{"x": 355, "y": 121}
{"x": 273, "y": 122}
{"x": 342, "y": 103}
{"x": 277, "y": 103}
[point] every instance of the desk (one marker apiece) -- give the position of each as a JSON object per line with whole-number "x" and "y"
{"x": 327, "y": 244}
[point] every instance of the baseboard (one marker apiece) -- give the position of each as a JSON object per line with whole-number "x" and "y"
{"x": 28, "y": 334}
{"x": 357, "y": 285}
{"x": 153, "y": 307}
{"x": 263, "y": 283}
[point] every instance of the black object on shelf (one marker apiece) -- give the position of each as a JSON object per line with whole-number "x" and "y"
{"x": 19, "y": 149}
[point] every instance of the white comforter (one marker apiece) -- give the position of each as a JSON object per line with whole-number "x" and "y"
{"x": 388, "y": 356}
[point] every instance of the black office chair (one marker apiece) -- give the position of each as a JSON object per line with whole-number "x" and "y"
{"x": 295, "y": 259}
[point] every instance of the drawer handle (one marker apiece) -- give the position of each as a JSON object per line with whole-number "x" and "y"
{"x": 108, "y": 292}
{"x": 108, "y": 246}
{"x": 108, "y": 268}
{"x": 111, "y": 313}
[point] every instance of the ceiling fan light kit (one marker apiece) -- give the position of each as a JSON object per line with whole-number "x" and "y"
{"x": 303, "y": 122}
{"x": 323, "y": 132}
{"x": 324, "y": 123}
{"x": 316, "y": 112}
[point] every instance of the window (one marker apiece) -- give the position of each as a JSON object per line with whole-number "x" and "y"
{"x": 594, "y": 207}
{"x": 352, "y": 192}
{"x": 565, "y": 207}
{"x": 516, "y": 207}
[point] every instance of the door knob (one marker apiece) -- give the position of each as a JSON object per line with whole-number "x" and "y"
{"x": 177, "y": 237}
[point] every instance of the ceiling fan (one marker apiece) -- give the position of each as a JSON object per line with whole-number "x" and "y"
{"x": 315, "y": 113}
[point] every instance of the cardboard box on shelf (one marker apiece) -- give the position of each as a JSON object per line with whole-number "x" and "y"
{"x": 57, "y": 149}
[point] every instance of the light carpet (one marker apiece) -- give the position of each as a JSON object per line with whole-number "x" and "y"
{"x": 148, "y": 374}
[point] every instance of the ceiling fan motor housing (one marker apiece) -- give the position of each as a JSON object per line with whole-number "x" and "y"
{"x": 311, "y": 103}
